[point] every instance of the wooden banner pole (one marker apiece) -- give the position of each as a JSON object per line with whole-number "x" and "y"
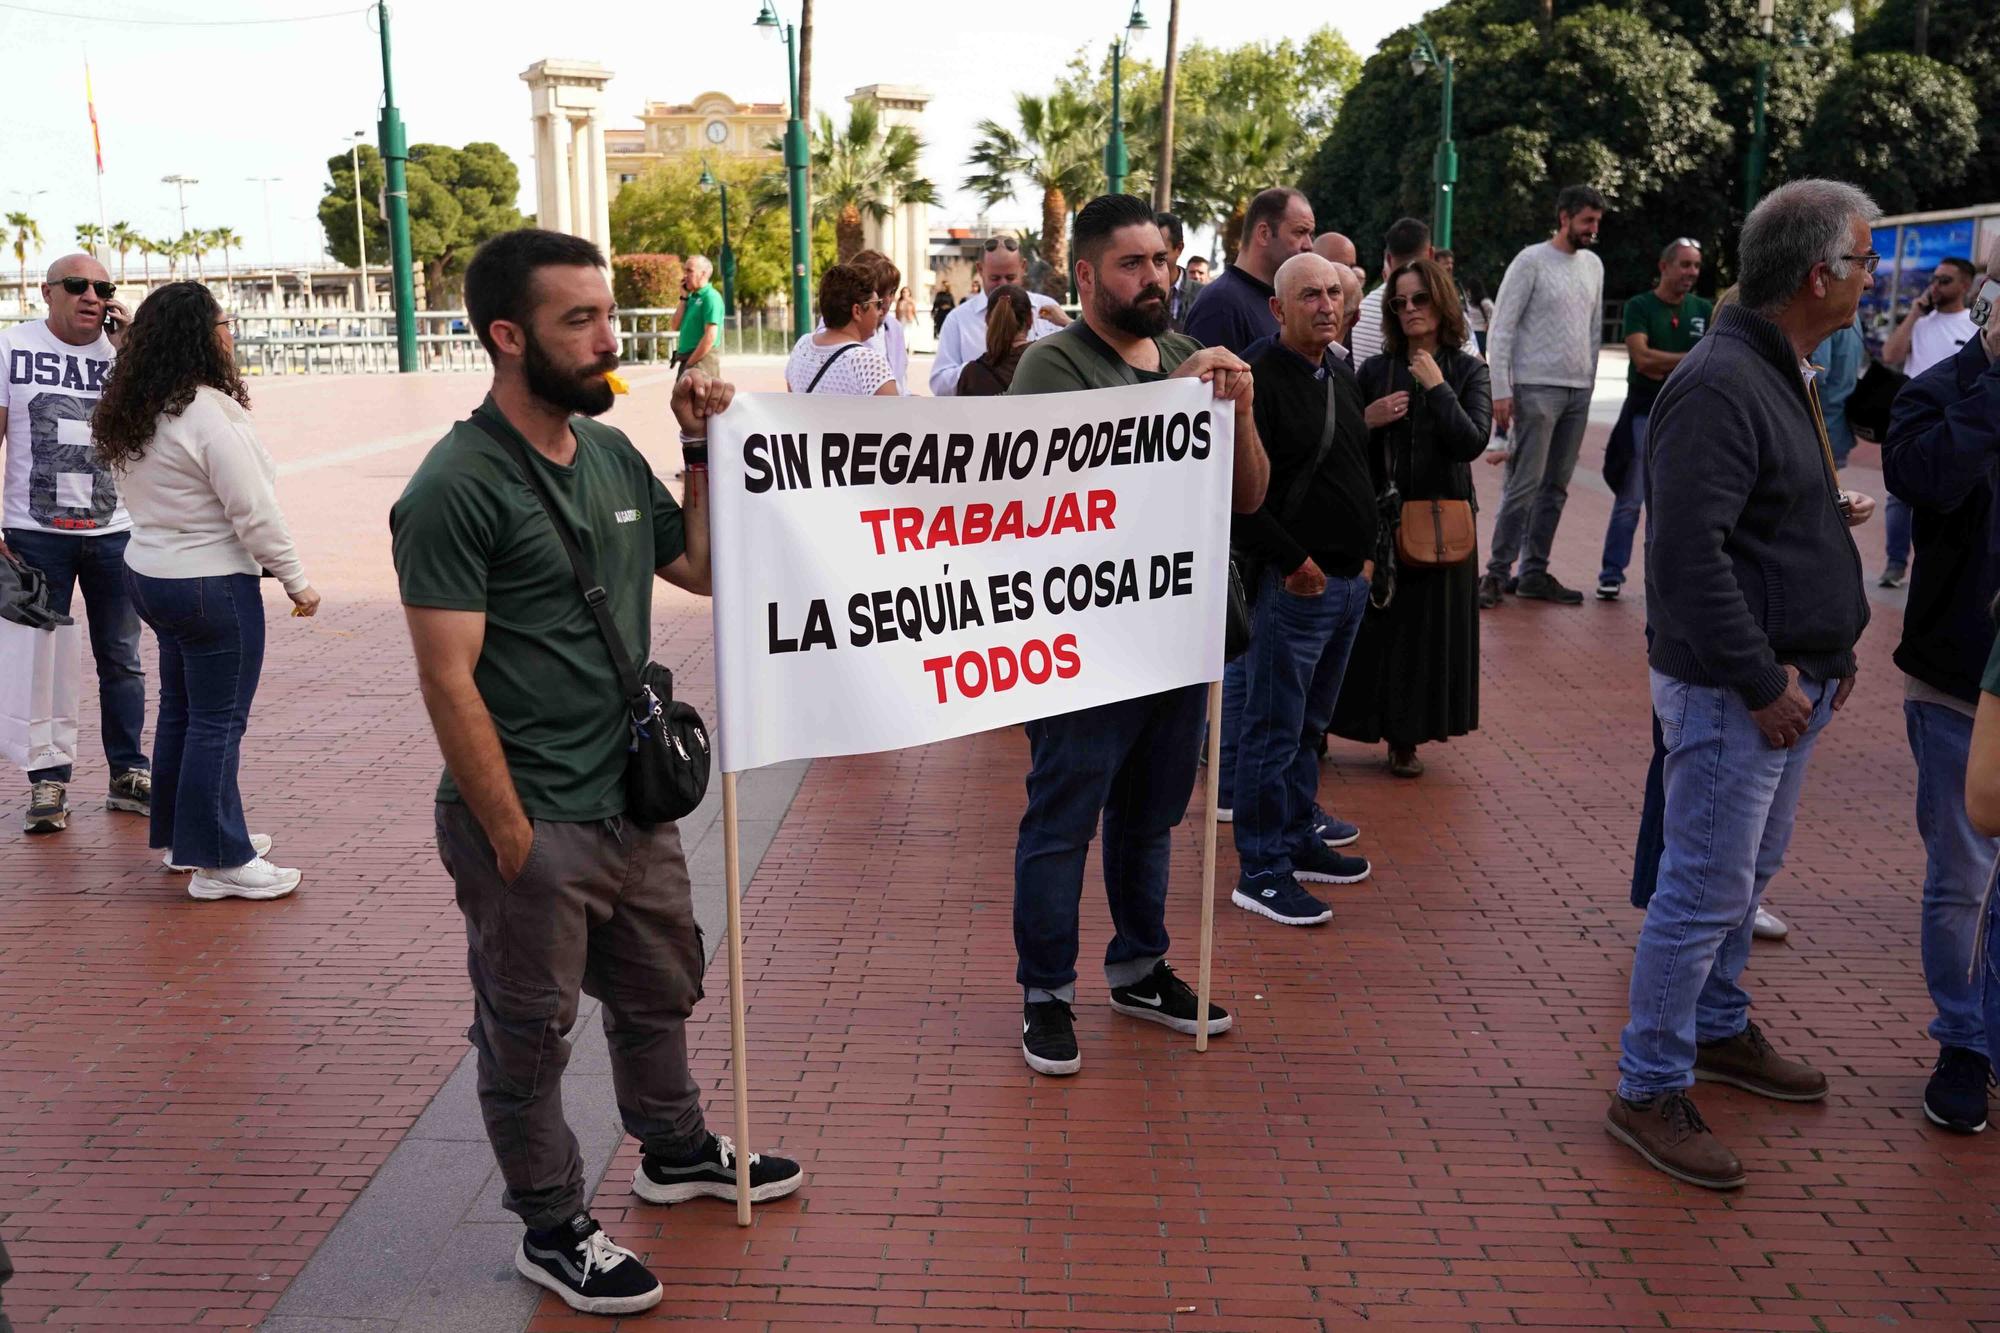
{"x": 732, "y": 867}
{"x": 1208, "y": 862}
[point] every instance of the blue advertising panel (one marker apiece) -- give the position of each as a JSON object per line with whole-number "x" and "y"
{"x": 1910, "y": 253}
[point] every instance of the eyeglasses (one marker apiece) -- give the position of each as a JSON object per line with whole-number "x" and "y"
{"x": 78, "y": 286}
{"x": 1867, "y": 261}
{"x": 1943, "y": 276}
{"x": 1689, "y": 242}
{"x": 1001, "y": 242}
{"x": 1414, "y": 301}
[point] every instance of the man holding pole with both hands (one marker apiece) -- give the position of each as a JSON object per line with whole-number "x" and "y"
{"x": 561, "y": 891}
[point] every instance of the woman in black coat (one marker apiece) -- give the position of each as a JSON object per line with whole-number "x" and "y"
{"x": 1414, "y": 673}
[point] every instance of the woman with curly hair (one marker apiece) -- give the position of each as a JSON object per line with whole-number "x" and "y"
{"x": 205, "y": 522}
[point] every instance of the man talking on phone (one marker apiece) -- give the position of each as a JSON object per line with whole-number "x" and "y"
{"x": 62, "y": 515}
{"x": 1937, "y": 325}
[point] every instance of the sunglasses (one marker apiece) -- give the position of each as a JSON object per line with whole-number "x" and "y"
{"x": 999, "y": 242}
{"x": 78, "y": 286}
{"x": 1688, "y": 241}
{"x": 1414, "y": 301}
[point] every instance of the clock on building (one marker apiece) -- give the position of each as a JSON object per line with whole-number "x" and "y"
{"x": 717, "y": 132}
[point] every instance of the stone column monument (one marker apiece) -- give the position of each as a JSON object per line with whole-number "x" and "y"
{"x": 571, "y": 194}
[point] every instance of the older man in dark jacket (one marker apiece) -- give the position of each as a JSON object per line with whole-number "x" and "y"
{"x": 1941, "y": 456}
{"x": 1753, "y": 589}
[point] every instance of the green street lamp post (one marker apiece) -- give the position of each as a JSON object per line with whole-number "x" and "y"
{"x": 1753, "y": 168}
{"x": 796, "y": 158}
{"x": 1117, "y": 163}
{"x": 1444, "y": 167}
{"x": 726, "y": 260}
{"x": 395, "y": 146}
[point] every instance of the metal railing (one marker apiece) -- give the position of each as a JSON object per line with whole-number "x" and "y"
{"x": 347, "y": 342}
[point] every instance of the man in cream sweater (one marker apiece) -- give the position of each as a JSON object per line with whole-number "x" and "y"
{"x": 1547, "y": 325}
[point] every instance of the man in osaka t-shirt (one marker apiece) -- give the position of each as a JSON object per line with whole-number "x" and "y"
{"x": 60, "y": 513}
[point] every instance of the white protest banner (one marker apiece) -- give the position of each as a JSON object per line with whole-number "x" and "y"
{"x": 895, "y": 571}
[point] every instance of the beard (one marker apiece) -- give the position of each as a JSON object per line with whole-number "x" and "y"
{"x": 583, "y": 391}
{"x": 1581, "y": 240}
{"x": 1145, "y": 316}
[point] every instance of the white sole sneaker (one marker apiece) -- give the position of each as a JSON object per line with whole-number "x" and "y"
{"x": 1053, "y": 1068}
{"x": 1326, "y": 877}
{"x": 652, "y": 1191}
{"x": 532, "y": 1271}
{"x": 1765, "y": 926}
{"x": 213, "y": 890}
{"x": 260, "y": 845}
{"x": 1187, "y": 1025}
{"x": 1249, "y": 904}
{"x": 1224, "y": 815}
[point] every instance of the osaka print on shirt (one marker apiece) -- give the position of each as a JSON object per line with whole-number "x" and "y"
{"x": 54, "y": 482}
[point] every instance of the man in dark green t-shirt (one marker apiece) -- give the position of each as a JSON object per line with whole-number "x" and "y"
{"x": 560, "y": 891}
{"x": 1661, "y": 326}
{"x": 699, "y": 321}
{"x": 1130, "y": 763}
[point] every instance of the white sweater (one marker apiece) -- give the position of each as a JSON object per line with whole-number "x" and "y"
{"x": 1548, "y": 320}
{"x": 203, "y": 499}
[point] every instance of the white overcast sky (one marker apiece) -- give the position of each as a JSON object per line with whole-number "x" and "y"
{"x": 225, "y": 103}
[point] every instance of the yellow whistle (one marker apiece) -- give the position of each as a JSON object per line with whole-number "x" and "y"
{"x": 617, "y": 382}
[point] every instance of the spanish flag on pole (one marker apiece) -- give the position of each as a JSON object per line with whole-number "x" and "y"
{"x": 90, "y": 100}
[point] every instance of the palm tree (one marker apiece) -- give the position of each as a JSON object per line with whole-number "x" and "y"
{"x": 1226, "y": 157}
{"x": 26, "y": 232}
{"x": 865, "y": 170}
{"x": 124, "y": 239}
{"x": 225, "y": 239}
{"x": 176, "y": 250}
{"x": 147, "y": 248}
{"x": 197, "y": 244}
{"x": 89, "y": 235}
{"x": 1057, "y": 151}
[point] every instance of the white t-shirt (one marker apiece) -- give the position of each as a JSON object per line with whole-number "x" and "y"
{"x": 858, "y": 373}
{"x": 49, "y": 389}
{"x": 1937, "y": 337}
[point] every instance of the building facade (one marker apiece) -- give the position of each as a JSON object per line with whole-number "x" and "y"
{"x": 711, "y": 125}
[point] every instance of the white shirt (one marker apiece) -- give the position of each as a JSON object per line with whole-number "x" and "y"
{"x": 889, "y": 340}
{"x": 858, "y": 373}
{"x": 49, "y": 388}
{"x": 204, "y": 499}
{"x": 963, "y": 338}
{"x": 1937, "y": 337}
{"x": 1367, "y": 336}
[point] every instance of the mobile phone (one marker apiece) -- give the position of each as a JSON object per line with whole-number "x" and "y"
{"x": 1984, "y": 300}
{"x": 112, "y": 323}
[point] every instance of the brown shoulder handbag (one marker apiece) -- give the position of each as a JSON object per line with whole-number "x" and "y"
{"x": 1435, "y": 532}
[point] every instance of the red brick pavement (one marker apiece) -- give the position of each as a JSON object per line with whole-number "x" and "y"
{"x": 1402, "y": 1129}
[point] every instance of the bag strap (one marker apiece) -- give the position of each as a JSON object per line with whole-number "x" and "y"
{"x": 1297, "y": 494}
{"x": 827, "y": 364}
{"x": 593, "y": 592}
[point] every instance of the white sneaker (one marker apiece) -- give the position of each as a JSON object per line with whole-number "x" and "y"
{"x": 258, "y": 879}
{"x": 1768, "y": 927}
{"x": 260, "y": 845}
{"x": 1224, "y": 815}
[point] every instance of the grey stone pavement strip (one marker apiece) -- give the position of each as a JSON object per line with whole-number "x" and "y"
{"x": 427, "y": 1247}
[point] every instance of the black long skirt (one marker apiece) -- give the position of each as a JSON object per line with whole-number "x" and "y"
{"x": 1414, "y": 674}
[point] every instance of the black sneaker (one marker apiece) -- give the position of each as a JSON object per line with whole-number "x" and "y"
{"x": 1316, "y": 863}
{"x": 1280, "y": 898}
{"x": 1956, "y": 1095}
{"x": 1490, "y": 591}
{"x": 1048, "y": 1038}
{"x": 578, "y": 1262}
{"x": 1547, "y": 588}
{"x": 1607, "y": 591}
{"x": 1163, "y": 998}
{"x": 132, "y": 792}
{"x": 710, "y": 1172}
{"x": 1892, "y": 577}
{"x": 48, "y": 808}
{"x": 1513, "y": 584}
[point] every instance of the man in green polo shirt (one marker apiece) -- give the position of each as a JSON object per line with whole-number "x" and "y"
{"x": 561, "y": 892}
{"x": 1661, "y": 325}
{"x": 699, "y": 320}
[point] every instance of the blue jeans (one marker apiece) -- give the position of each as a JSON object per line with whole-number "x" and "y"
{"x": 1731, "y": 802}
{"x": 1547, "y": 436}
{"x": 1897, "y": 524}
{"x": 211, "y": 636}
{"x": 98, "y": 563}
{"x": 1298, "y": 654}
{"x": 1132, "y": 764}
{"x": 1235, "y": 681}
{"x": 1957, "y": 864}
{"x": 1626, "y": 508}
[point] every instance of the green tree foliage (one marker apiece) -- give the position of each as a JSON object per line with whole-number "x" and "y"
{"x": 1964, "y": 34}
{"x": 1895, "y": 124}
{"x": 666, "y": 211}
{"x": 458, "y": 197}
{"x": 863, "y": 170}
{"x": 1056, "y": 153}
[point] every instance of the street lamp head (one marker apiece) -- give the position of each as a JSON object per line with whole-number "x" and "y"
{"x": 767, "y": 21}
{"x": 1136, "y": 24}
{"x": 1423, "y": 55}
{"x": 707, "y": 181}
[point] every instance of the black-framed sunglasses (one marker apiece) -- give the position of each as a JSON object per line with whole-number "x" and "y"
{"x": 78, "y": 286}
{"x": 1414, "y": 301}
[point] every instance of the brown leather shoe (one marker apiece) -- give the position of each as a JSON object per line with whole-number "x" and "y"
{"x": 1404, "y": 763}
{"x": 1748, "y": 1061}
{"x": 1671, "y": 1136}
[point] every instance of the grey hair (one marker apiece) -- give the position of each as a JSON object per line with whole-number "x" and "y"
{"x": 699, "y": 266}
{"x": 1796, "y": 227}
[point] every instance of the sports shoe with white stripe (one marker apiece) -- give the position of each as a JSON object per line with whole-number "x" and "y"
{"x": 1163, "y": 998}
{"x": 578, "y": 1262}
{"x": 711, "y": 1173}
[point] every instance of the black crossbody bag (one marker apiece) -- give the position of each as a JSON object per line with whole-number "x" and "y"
{"x": 1236, "y": 615}
{"x": 667, "y": 764}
